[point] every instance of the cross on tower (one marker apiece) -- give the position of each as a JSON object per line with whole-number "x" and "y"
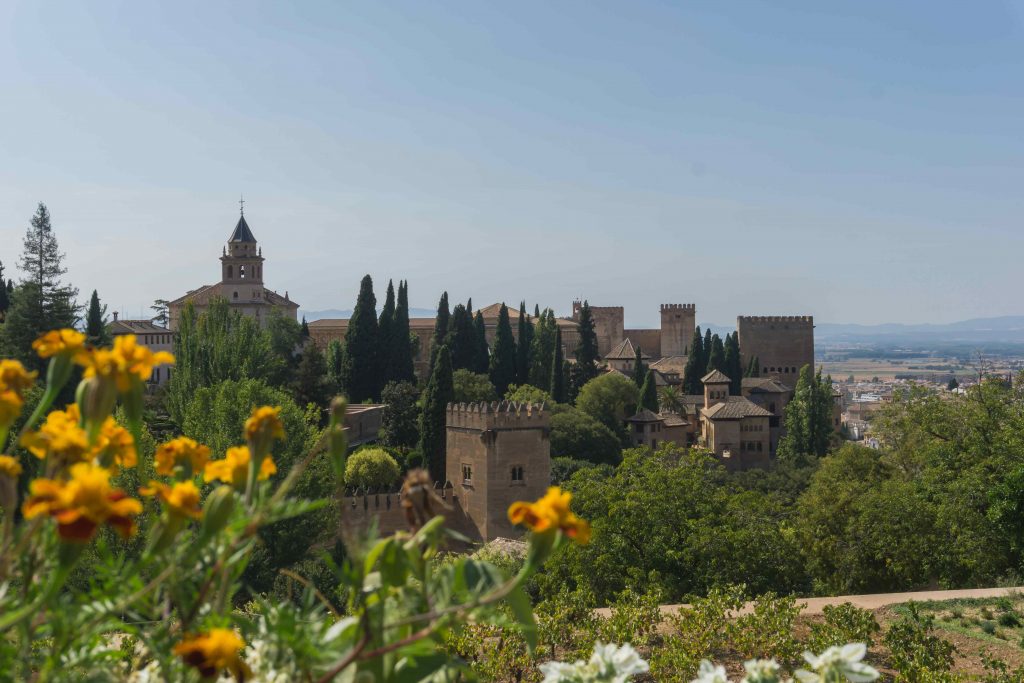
{"x": 241, "y": 205}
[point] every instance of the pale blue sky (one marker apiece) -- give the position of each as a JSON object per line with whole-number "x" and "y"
{"x": 858, "y": 161}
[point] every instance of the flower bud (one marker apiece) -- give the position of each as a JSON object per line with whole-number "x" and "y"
{"x": 96, "y": 398}
{"x": 217, "y": 511}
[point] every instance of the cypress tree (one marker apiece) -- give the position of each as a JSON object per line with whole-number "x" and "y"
{"x": 461, "y": 339}
{"x": 695, "y": 365}
{"x": 503, "y": 357}
{"x": 482, "y": 353}
{"x": 401, "y": 343}
{"x": 5, "y": 299}
{"x": 523, "y": 346}
{"x": 440, "y": 392}
{"x": 808, "y": 418}
{"x": 586, "y": 349}
{"x": 716, "y": 359}
{"x": 440, "y": 327}
{"x": 706, "y": 351}
{"x": 639, "y": 370}
{"x": 753, "y": 367}
{"x": 360, "y": 367}
{"x": 536, "y": 311}
{"x": 543, "y": 348}
{"x": 557, "y": 388}
{"x": 96, "y": 332}
{"x": 304, "y": 329}
{"x": 732, "y": 363}
{"x": 649, "y": 393}
{"x": 385, "y": 336}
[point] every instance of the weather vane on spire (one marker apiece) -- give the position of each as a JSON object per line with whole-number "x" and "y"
{"x": 241, "y": 205}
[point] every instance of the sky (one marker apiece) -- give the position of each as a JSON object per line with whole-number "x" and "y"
{"x": 861, "y": 162}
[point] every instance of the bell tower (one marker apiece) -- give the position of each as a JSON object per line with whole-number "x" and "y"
{"x": 241, "y": 264}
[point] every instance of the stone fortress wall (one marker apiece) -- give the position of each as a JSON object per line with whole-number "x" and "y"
{"x": 782, "y": 344}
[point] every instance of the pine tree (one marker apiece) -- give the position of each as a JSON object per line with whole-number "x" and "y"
{"x": 161, "y": 312}
{"x": 440, "y": 392}
{"x": 557, "y": 388}
{"x": 639, "y": 369}
{"x": 311, "y": 384}
{"x": 523, "y": 346}
{"x": 649, "y": 393}
{"x": 482, "y": 353}
{"x": 96, "y": 332}
{"x": 461, "y": 339}
{"x": 716, "y": 359}
{"x": 402, "y": 366}
{"x": 441, "y": 321}
{"x": 42, "y": 302}
{"x": 586, "y": 349}
{"x": 733, "y": 366}
{"x": 385, "y": 334}
{"x": 543, "y": 350}
{"x": 360, "y": 367}
{"x": 5, "y": 299}
{"x": 503, "y": 357}
{"x": 754, "y": 367}
{"x": 334, "y": 360}
{"x": 695, "y": 365}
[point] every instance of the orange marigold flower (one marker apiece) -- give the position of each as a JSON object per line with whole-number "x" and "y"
{"x": 60, "y": 342}
{"x": 234, "y": 468}
{"x": 82, "y": 503}
{"x": 14, "y": 377}
{"x": 10, "y": 407}
{"x": 178, "y": 451}
{"x": 126, "y": 363}
{"x": 182, "y": 499}
{"x": 265, "y": 421}
{"x": 551, "y": 513}
{"x": 214, "y": 651}
{"x": 60, "y": 435}
{"x": 9, "y": 466}
{"x": 118, "y": 443}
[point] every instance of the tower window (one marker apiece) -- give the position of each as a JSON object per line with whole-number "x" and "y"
{"x": 517, "y": 473}
{"x": 241, "y": 272}
{"x": 235, "y": 296}
{"x": 467, "y": 474}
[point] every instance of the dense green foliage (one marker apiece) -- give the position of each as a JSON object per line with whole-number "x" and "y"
{"x": 558, "y": 386}
{"x": 808, "y": 418}
{"x": 543, "y": 350}
{"x": 586, "y": 353}
{"x": 440, "y": 328}
{"x": 440, "y": 392}
{"x": 576, "y": 435}
{"x": 694, "y": 368}
{"x": 524, "y": 345}
{"x": 386, "y": 336}
{"x": 461, "y": 339}
{"x": 400, "y": 423}
{"x": 470, "y": 387}
{"x": 311, "y": 384}
{"x": 360, "y": 370}
{"x": 482, "y": 355}
{"x": 503, "y": 355}
{"x": 648, "y": 394}
{"x": 733, "y": 364}
{"x": 715, "y": 354}
{"x": 401, "y": 363}
{"x": 639, "y": 367}
{"x": 608, "y": 399}
{"x": 371, "y": 469}
{"x": 96, "y": 322}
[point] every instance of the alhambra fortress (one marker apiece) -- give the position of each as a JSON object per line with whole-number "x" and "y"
{"x": 500, "y": 452}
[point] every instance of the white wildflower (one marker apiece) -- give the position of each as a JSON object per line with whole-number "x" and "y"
{"x": 608, "y": 664}
{"x": 709, "y": 673}
{"x": 762, "y": 671}
{"x": 842, "y": 661}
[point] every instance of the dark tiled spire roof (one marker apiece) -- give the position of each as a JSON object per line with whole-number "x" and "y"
{"x": 242, "y": 232}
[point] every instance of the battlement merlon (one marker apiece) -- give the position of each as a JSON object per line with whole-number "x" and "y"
{"x": 767, "y": 319}
{"x": 678, "y": 307}
{"x": 497, "y": 414}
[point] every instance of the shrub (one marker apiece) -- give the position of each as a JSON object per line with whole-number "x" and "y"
{"x": 767, "y": 631}
{"x": 986, "y": 613}
{"x": 917, "y": 654}
{"x": 696, "y": 633}
{"x": 842, "y": 624}
{"x": 574, "y": 434}
{"x": 371, "y": 468}
{"x": 1009, "y": 619}
{"x": 988, "y": 627}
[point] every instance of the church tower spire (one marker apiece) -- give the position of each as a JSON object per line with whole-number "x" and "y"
{"x": 242, "y": 262}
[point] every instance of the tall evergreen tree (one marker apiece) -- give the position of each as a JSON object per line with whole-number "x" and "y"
{"x": 360, "y": 372}
{"x": 536, "y": 311}
{"x": 523, "y": 346}
{"x": 808, "y": 419}
{"x": 557, "y": 388}
{"x": 543, "y": 350}
{"x": 402, "y": 366}
{"x": 461, "y": 339}
{"x": 311, "y": 384}
{"x": 733, "y": 366}
{"x": 385, "y": 335}
{"x": 482, "y": 353}
{"x": 695, "y": 365}
{"x": 42, "y": 302}
{"x": 503, "y": 356}
{"x": 5, "y": 299}
{"x": 639, "y": 369}
{"x": 754, "y": 367}
{"x": 586, "y": 348}
{"x": 649, "y": 393}
{"x": 706, "y": 349}
{"x": 440, "y": 392}
{"x": 96, "y": 322}
{"x": 334, "y": 360}
{"x": 716, "y": 358}
{"x": 161, "y": 312}
{"x": 441, "y": 321}
{"x": 304, "y": 329}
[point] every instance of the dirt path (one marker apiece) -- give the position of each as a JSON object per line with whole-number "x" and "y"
{"x": 871, "y": 602}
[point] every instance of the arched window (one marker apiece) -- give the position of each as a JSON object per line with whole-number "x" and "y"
{"x": 235, "y": 295}
{"x": 241, "y": 272}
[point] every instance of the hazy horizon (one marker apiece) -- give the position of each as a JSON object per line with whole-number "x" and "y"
{"x": 858, "y": 163}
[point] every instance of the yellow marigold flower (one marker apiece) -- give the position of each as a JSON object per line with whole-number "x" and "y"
{"x": 214, "y": 651}
{"x": 10, "y": 407}
{"x": 549, "y": 513}
{"x": 265, "y": 421}
{"x": 82, "y": 503}
{"x": 60, "y": 435}
{"x": 126, "y": 363}
{"x": 234, "y": 468}
{"x": 9, "y": 466}
{"x": 182, "y": 499}
{"x": 56, "y": 342}
{"x": 117, "y": 442}
{"x": 14, "y": 377}
{"x": 178, "y": 451}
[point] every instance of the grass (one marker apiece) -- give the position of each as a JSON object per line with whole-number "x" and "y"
{"x": 995, "y": 620}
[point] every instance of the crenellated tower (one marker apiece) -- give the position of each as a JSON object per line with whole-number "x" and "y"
{"x": 678, "y": 322}
{"x": 782, "y": 344}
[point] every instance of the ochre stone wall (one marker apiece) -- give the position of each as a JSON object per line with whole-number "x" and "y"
{"x": 648, "y": 340}
{"x": 609, "y": 325}
{"x": 782, "y": 344}
{"x": 678, "y": 322}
